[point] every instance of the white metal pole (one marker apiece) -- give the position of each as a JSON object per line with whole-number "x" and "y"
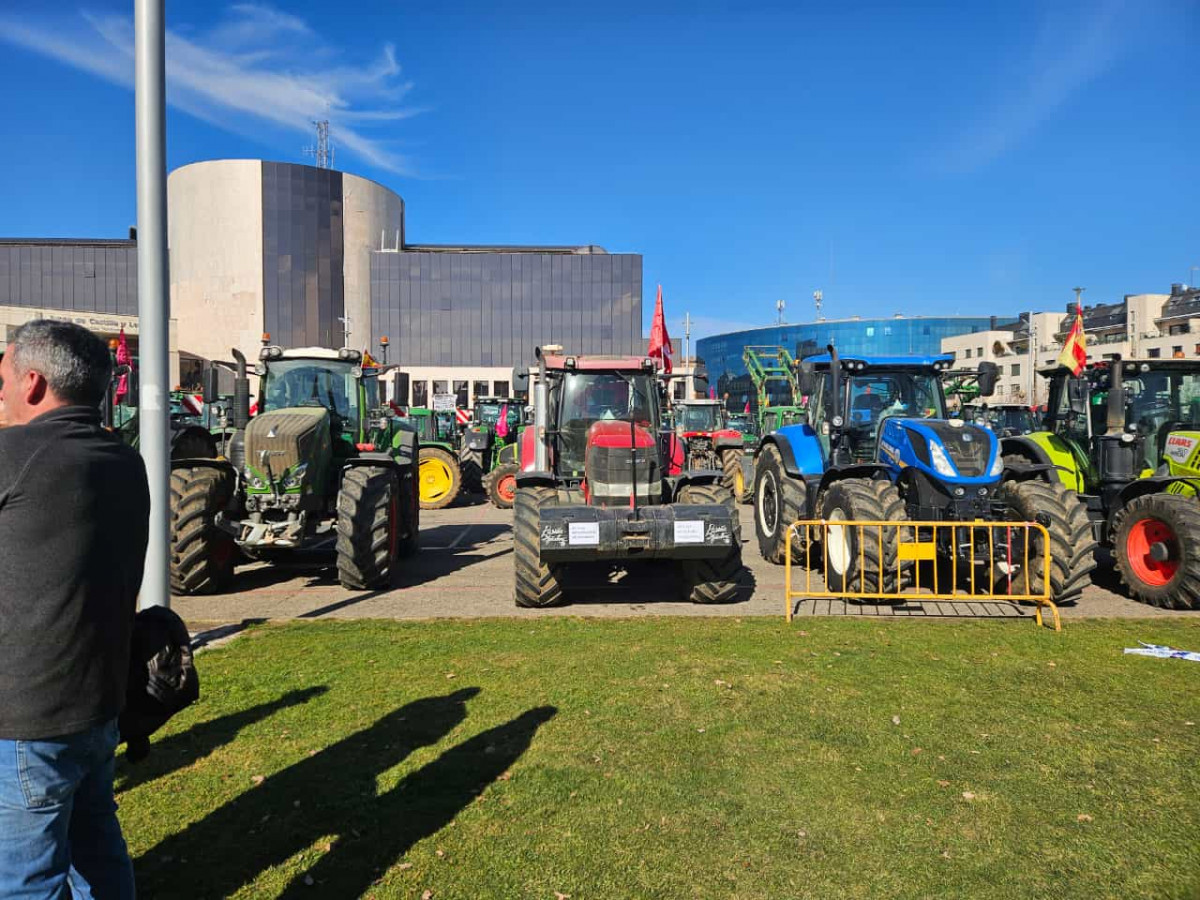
{"x": 154, "y": 302}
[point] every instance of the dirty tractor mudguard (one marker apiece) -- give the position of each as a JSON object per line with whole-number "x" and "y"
{"x": 678, "y": 531}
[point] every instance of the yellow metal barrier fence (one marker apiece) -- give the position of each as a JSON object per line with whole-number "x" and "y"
{"x": 875, "y": 560}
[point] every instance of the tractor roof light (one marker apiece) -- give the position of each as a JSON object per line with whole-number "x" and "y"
{"x": 349, "y": 355}
{"x": 838, "y": 421}
{"x": 272, "y": 352}
{"x": 570, "y": 362}
{"x": 648, "y": 364}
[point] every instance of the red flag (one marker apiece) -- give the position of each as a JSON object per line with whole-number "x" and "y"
{"x": 123, "y": 359}
{"x": 747, "y": 409}
{"x": 660, "y": 341}
{"x": 1074, "y": 351}
{"x": 502, "y": 422}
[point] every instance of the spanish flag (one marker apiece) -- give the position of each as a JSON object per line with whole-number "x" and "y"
{"x": 1074, "y": 351}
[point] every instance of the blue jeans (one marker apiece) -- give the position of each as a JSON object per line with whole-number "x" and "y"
{"x": 59, "y": 834}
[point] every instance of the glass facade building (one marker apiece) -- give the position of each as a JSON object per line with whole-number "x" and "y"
{"x": 897, "y": 336}
{"x": 90, "y": 276}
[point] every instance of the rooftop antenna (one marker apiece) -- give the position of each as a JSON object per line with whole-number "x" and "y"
{"x": 345, "y": 320}
{"x": 818, "y": 298}
{"x": 779, "y": 306}
{"x": 323, "y": 152}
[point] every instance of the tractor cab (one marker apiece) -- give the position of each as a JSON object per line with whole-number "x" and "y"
{"x": 1005, "y": 419}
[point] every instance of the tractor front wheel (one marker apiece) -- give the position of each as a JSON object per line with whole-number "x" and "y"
{"x": 713, "y": 580}
{"x": 864, "y": 558}
{"x": 368, "y": 527}
{"x": 1072, "y": 548}
{"x": 537, "y": 584}
{"x": 1156, "y": 540}
{"x": 734, "y": 478}
{"x": 501, "y": 485}
{"x": 779, "y": 500}
{"x": 202, "y": 555}
{"x": 470, "y": 463}
{"x": 439, "y": 478}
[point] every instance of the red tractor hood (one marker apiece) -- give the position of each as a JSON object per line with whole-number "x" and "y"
{"x": 616, "y": 435}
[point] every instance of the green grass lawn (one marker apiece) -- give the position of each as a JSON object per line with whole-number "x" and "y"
{"x": 678, "y": 758}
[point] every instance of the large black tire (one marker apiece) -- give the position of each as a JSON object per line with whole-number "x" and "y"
{"x": 733, "y": 478}
{"x": 1166, "y": 525}
{"x": 410, "y": 503}
{"x": 369, "y": 526}
{"x": 501, "y": 485}
{"x": 537, "y": 585}
{"x": 1072, "y": 548}
{"x": 470, "y": 464}
{"x": 713, "y": 580}
{"x": 193, "y": 443}
{"x": 202, "y": 555}
{"x": 874, "y": 566}
{"x": 435, "y": 494}
{"x": 779, "y": 500}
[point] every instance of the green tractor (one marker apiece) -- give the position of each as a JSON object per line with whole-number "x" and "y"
{"x": 441, "y": 476}
{"x": 189, "y": 439}
{"x": 489, "y": 448}
{"x": 1125, "y": 435}
{"x": 321, "y": 466}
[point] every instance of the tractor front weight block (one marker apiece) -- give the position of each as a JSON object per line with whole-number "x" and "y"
{"x": 679, "y": 531}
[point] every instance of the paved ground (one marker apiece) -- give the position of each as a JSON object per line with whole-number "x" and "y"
{"x": 465, "y": 569}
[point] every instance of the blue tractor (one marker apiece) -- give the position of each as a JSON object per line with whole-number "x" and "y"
{"x": 878, "y": 446}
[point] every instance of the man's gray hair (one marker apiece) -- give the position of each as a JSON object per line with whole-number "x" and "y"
{"x": 74, "y": 361}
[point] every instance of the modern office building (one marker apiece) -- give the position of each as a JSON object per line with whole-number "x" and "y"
{"x": 898, "y": 335}
{"x": 317, "y": 257}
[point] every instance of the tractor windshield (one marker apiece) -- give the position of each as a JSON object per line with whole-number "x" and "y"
{"x": 1158, "y": 402}
{"x": 331, "y": 384}
{"x": 1005, "y": 420}
{"x": 914, "y": 395}
{"x": 589, "y": 397}
{"x": 698, "y": 417}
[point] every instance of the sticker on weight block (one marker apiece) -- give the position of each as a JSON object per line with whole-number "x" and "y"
{"x": 689, "y": 532}
{"x": 583, "y": 533}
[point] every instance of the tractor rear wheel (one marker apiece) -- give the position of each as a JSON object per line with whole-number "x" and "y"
{"x": 439, "y": 478}
{"x": 779, "y": 500}
{"x": 1072, "y": 548}
{"x": 864, "y": 559}
{"x": 537, "y": 584}
{"x": 368, "y": 527}
{"x": 713, "y": 580}
{"x": 734, "y": 478}
{"x": 1156, "y": 540}
{"x": 501, "y": 485}
{"x": 470, "y": 463}
{"x": 202, "y": 555}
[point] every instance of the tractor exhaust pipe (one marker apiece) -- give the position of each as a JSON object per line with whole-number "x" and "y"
{"x": 1115, "y": 413}
{"x": 541, "y": 397}
{"x": 241, "y": 393}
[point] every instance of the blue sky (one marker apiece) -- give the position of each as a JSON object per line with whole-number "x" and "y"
{"x": 918, "y": 158}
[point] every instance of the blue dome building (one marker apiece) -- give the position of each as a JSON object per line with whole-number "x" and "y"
{"x": 893, "y": 336}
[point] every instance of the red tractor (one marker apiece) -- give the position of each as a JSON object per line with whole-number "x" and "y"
{"x": 603, "y": 480}
{"x": 710, "y": 443}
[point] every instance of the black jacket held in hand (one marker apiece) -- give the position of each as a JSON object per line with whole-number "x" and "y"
{"x": 74, "y": 514}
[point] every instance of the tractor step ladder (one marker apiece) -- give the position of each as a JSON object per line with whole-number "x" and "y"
{"x": 1008, "y": 545}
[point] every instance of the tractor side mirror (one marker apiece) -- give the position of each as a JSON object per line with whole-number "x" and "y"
{"x": 132, "y": 394}
{"x": 210, "y": 392}
{"x": 988, "y": 373}
{"x": 520, "y": 379}
{"x": 1077, "y": 396}
{"x": 806, "y": 379}
{"x": 700, "y": 379}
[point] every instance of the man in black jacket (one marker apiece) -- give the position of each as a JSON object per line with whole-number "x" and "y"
{"x": 74, "y": 511}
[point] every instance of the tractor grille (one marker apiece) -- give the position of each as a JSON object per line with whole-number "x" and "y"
{"x": 608, "y": 472}
{"x": 969, "y": 447}
{"x": 287, "y": 437}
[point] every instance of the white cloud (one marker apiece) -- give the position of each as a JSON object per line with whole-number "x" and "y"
{"x": 1065, "y": 56}
{"x": 255, "y": 66}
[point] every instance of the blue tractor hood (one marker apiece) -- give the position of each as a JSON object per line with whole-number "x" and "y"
{"x": 931, "y": 445}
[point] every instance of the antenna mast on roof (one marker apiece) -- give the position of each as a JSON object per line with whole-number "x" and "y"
{"x": 323, "y": 152}
{"x": 818, "y": 298}
{"x": 779, "y": 305}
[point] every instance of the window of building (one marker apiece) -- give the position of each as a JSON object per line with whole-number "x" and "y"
{"x": 420, "y": 392}
{"x": 925, "y": 330}
{"x": 1178, "y": 329}
{"x": 680, "y": 389}
{"x": 1177, "y": 350}
{"x": 1154, "y": 353}
{"x": 870, "y": 331}
{"x": 460, "y": 394}
{"x": 968, "y": 353}
{"x": 1016, "y": 370}
{"x": 500, "y": 388}
{"x": 979, "y": 352}
{"x": 441, "y": 387}
{"x": 479, "y": 389}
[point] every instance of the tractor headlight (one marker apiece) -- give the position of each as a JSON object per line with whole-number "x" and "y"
{"x": 941, "y": 462}
{"x": 997, "y": 466}
{"x": 294, "y": 477}
{"x": 838, "y": 422}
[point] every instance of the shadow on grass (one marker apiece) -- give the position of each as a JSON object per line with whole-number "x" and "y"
{"x": 183, "y": 749}
{"x": 332, "y": 797}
